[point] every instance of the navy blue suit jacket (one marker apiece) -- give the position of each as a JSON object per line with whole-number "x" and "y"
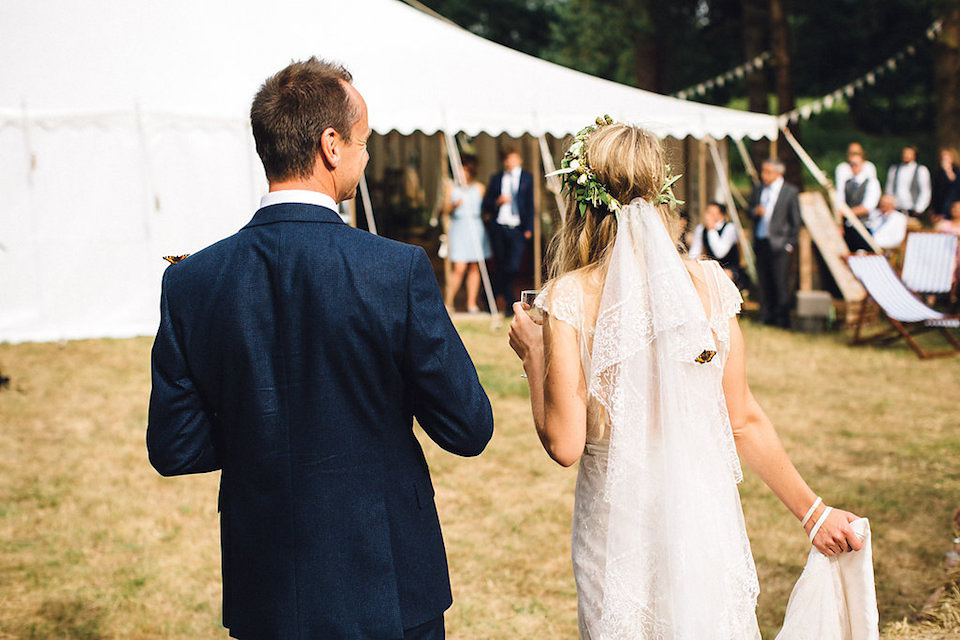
{"x": 294, "y": 356}
{"x": 524, "y": 199}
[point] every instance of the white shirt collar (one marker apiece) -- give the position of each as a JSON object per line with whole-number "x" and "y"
{"x": 774, "y": 187}
{"x": 298, "y": 196}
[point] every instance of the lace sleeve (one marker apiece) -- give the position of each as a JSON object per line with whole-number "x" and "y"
{"x": 562, "y": 299}
{"x": 730, "y": 298}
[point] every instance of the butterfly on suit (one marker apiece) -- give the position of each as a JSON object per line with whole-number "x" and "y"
{"x": 175, "y": 259}
{"x": 705, "y": 356}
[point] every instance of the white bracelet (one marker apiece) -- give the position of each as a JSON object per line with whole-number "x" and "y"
{"x": 806, "y": 518}
{"x": 816, "y": 527}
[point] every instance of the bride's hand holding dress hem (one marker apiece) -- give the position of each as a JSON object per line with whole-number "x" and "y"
{"x": 759, "y": 446}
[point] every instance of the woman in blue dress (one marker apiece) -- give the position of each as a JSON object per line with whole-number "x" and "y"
{"x": 467, "y": 237}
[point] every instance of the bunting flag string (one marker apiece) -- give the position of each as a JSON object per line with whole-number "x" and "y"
{"x": 868, "y": 79}
{"x": 738, "y": 73}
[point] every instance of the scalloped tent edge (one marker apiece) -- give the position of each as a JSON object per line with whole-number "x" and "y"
{"x": 124, "y": 132}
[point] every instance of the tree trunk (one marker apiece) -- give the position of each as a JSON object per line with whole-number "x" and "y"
{"x": 755, "y": 31}
{"x": 646, "y": 53}
{"x": 780, "y": 51}
{"x": 645, "y": 62}
{"x": 947, "y": 76}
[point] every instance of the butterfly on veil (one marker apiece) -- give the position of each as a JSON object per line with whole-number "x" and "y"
{"x": 175, "y": 259}
{"x": 705, "y": 356}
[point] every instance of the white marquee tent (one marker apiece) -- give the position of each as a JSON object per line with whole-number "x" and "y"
{"x": 124, "y": 134}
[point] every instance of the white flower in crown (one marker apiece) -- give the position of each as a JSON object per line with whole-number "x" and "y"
{"x": 583, "y": 184}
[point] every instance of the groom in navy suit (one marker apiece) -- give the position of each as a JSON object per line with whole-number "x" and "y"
{"x": 293, "y": 356}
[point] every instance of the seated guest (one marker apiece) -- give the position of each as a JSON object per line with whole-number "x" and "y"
{"x": 861, "y": 191}
{"x": 716, "y": 239}
{"x": 887, "y": 225}
{"x": 950, "y": 224}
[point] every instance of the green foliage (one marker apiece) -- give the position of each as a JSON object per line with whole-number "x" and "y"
{"x": 834, "y": 43}
{"x": 519, "y": 24}
{"x": 669, "y": 45}
{"x": 654, "y": 44}
{"x": 599, "y": 38}
{"x": 825, "y": 138}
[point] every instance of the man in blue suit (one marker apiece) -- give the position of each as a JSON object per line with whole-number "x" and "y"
{"x": 508, "y": 201}
{"x": 293, "y": 356}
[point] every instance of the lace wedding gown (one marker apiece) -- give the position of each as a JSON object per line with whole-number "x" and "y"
{"x": 659, "y": 548}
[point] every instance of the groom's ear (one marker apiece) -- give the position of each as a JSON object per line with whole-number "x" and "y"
{"x": 330, "y": 147}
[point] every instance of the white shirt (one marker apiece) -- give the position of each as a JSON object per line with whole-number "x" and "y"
{"x": 904, "y": 180}
{"x": 769, "y": 195}
{"x": 871, "y": 197}
{"x": 844, "y": 172}
{"x": 720, "y": 243}
{"x": 509, "y": 215}
{"x": 298, "y": 196}
{"x": 888, "y": 230}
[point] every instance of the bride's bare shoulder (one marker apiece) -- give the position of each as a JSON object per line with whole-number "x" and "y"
{"x": 698, "y": 275}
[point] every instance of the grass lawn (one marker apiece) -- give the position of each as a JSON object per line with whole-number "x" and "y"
{"x": 93, "y": 544}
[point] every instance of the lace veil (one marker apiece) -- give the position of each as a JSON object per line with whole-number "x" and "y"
{"x": 678, "y": 562}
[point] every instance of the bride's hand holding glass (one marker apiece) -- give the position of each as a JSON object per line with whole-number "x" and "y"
{"x": 526, "y": 337}
{"x": 527, "y": 298}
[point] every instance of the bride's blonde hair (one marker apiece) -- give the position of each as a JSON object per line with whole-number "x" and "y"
{"x": 629, "y": 162}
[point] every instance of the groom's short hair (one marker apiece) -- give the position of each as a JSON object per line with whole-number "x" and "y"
{"x": 291, "y": 111}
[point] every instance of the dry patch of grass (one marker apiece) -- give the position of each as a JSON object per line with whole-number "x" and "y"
{"x": 939, "y": 618}
{"x": 93, "y": 544}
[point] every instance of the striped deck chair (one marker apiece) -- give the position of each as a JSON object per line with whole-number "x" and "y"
{"x": 930, "y": 263}
{"x": 905, "y": 311}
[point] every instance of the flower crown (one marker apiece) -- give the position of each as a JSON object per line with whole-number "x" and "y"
{"x": 580, "y": 180}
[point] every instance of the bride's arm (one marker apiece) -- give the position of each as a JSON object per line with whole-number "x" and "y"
{"x": 759, "y": 446}
{"x": 558, "y": 392}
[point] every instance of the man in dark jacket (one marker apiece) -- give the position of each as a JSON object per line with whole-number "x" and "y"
{"x": 508, "y": 201}
{"x": 294, "y": 356}
{"x": 776, "y": 214}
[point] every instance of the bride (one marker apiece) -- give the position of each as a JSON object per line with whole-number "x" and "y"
{"x": 638, "y": 372}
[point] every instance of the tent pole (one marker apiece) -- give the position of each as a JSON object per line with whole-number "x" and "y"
{"x": 537, "y": 221}
{"x": 820, "y": 176}
{"x": 456, "y": 166}
{"x": 367, "y": 205}
{"x": 553, "y": 182}
{"x": 437, "y": 217}
{"x": 701, "y": 176}
{"x": 732, "y": 207}
{"x": 747, "y": 162}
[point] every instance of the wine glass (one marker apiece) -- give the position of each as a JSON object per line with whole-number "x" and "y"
{"x": 527, "y": 296}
